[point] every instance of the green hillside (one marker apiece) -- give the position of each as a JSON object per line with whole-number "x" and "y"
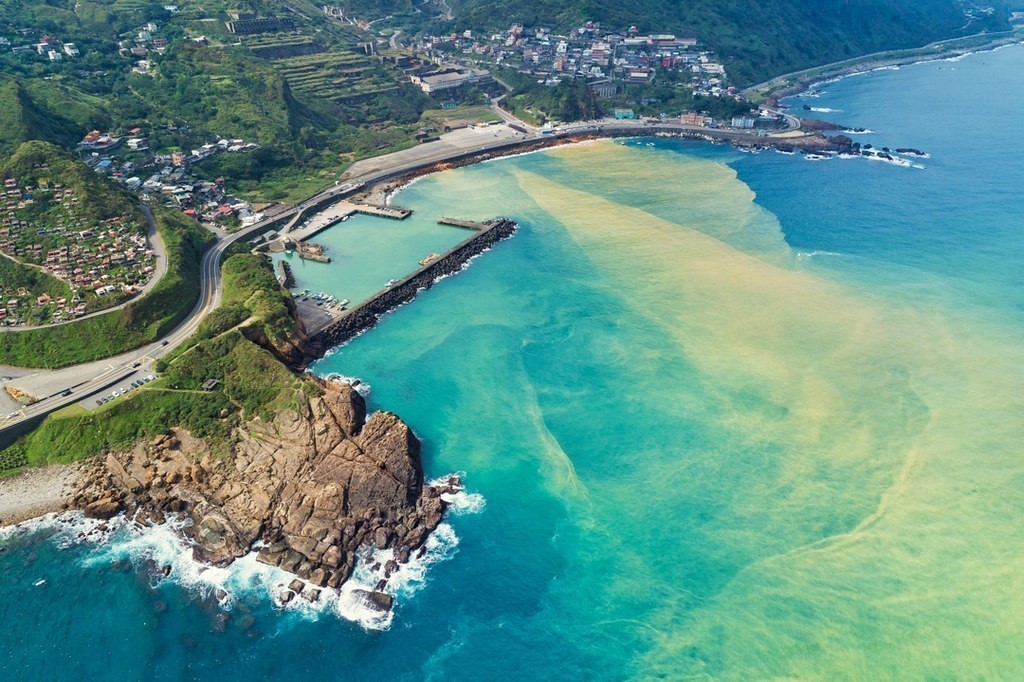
{"x": 23, "y": 119}
{"x": 37, "y": 164}
{"x": 310, "y": 95}
{"x": 760, "y": 38}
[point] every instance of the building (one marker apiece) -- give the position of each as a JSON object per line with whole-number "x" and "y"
{"x": 742, "y": 122}
{"x": 624, "y": 114}
{"x": 450, "y": 78}
{"x": 694, "y": 120}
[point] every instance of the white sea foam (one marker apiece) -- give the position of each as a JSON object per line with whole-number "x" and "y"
{"x": 154, "y": 547}
{"x": 826, "y": 110}
{"x": 65, "y": 529}
{"x": 861, "y": 131}
{"x": 807, "y": 255}
{"x": 460, "y": 502}
{"x": 362, "y": 388}
{"x": 893, "y": 159}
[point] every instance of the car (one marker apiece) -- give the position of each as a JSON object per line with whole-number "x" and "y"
{"x": 164, "y": 342}
{"x": 99, "y": 402}
{"x": 136, "y": 364}
{"x": 14, "y": 415}
{"x": 66, "y": 392}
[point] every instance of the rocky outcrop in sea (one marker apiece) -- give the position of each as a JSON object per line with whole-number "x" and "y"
{"x": 306, "y": 489}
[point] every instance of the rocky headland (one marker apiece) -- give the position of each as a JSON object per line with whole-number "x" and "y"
{"x": 306, "y": 489}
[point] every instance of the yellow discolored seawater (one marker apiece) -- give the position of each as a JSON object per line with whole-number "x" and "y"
{"x": 888, "y": 516}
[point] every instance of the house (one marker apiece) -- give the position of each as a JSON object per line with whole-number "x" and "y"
{"x": 693, "y": 120}
{"x": 70, "y": 50}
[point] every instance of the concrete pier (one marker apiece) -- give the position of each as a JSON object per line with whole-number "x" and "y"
{"x": 467, "y": 224}
{"x": 325, "y": 217}
{"x": 286, "y": 277}
{"x": 365, "y": 315}
{"x": 389, "y": 211}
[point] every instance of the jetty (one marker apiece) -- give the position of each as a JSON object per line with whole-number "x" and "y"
{"x": 287, "y": 277}
{"x": 466, "y": 224}
{"x": 323, "y": 217}
{"x": 350, "y": 323}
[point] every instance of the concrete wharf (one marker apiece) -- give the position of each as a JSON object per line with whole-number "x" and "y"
{"x": 287, "y": 277}
{"x": 467, "y": 224}
{"x": 324, "y": 217}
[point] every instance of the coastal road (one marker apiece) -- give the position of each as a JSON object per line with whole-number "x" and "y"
{"x": 888, "y": 56}
{"x": 59, "y": 388}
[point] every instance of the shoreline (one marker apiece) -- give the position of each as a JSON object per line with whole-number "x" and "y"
{"x": 797, "y": 82}
{"x": 35, "y": 492}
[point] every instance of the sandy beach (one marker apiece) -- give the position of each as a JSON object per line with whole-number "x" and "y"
{"x": 34, "y": 492}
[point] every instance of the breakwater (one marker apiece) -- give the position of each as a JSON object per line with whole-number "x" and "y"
{"x": 365, "y": 315}
{"x": 286, "y": 276}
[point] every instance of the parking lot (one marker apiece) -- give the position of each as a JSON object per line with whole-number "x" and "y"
{"x": 131, "y": 383}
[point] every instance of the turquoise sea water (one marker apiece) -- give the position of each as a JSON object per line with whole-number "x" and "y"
{"x": 725, "y": 416}
{"x": 367, "y": 251}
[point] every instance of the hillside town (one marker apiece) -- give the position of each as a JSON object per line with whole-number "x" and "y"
{"x": 606, "y": 59}
{"x": 166, "y": 177}
{"x": 101, "y": 262}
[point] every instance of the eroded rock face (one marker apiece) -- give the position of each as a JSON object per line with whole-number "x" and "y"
{"x": 313, "y": 486}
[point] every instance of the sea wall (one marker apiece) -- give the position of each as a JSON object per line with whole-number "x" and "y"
{"x": 365, "y": 315}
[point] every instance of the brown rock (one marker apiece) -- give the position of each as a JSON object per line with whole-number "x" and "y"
{"x": 103, "y": 509}
{"x": 313, "y": 484}
{"x": 378, "y": 601}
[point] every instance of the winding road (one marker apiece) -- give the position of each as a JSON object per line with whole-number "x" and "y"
{"x": 58, "y": 388}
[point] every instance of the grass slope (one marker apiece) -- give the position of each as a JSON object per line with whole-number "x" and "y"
{"x": 23, "y": 119}
{"x": 252, "y": 383}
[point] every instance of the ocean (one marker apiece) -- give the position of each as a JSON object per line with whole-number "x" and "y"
{"x": 720, "y": 415}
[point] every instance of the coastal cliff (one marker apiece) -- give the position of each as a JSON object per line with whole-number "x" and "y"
{"x": 306, "y": 489}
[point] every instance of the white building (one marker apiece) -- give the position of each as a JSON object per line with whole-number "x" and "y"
{"x": 450, "y": 78}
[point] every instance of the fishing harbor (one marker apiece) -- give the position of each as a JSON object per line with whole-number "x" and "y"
{"x": 366, "y": 259}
